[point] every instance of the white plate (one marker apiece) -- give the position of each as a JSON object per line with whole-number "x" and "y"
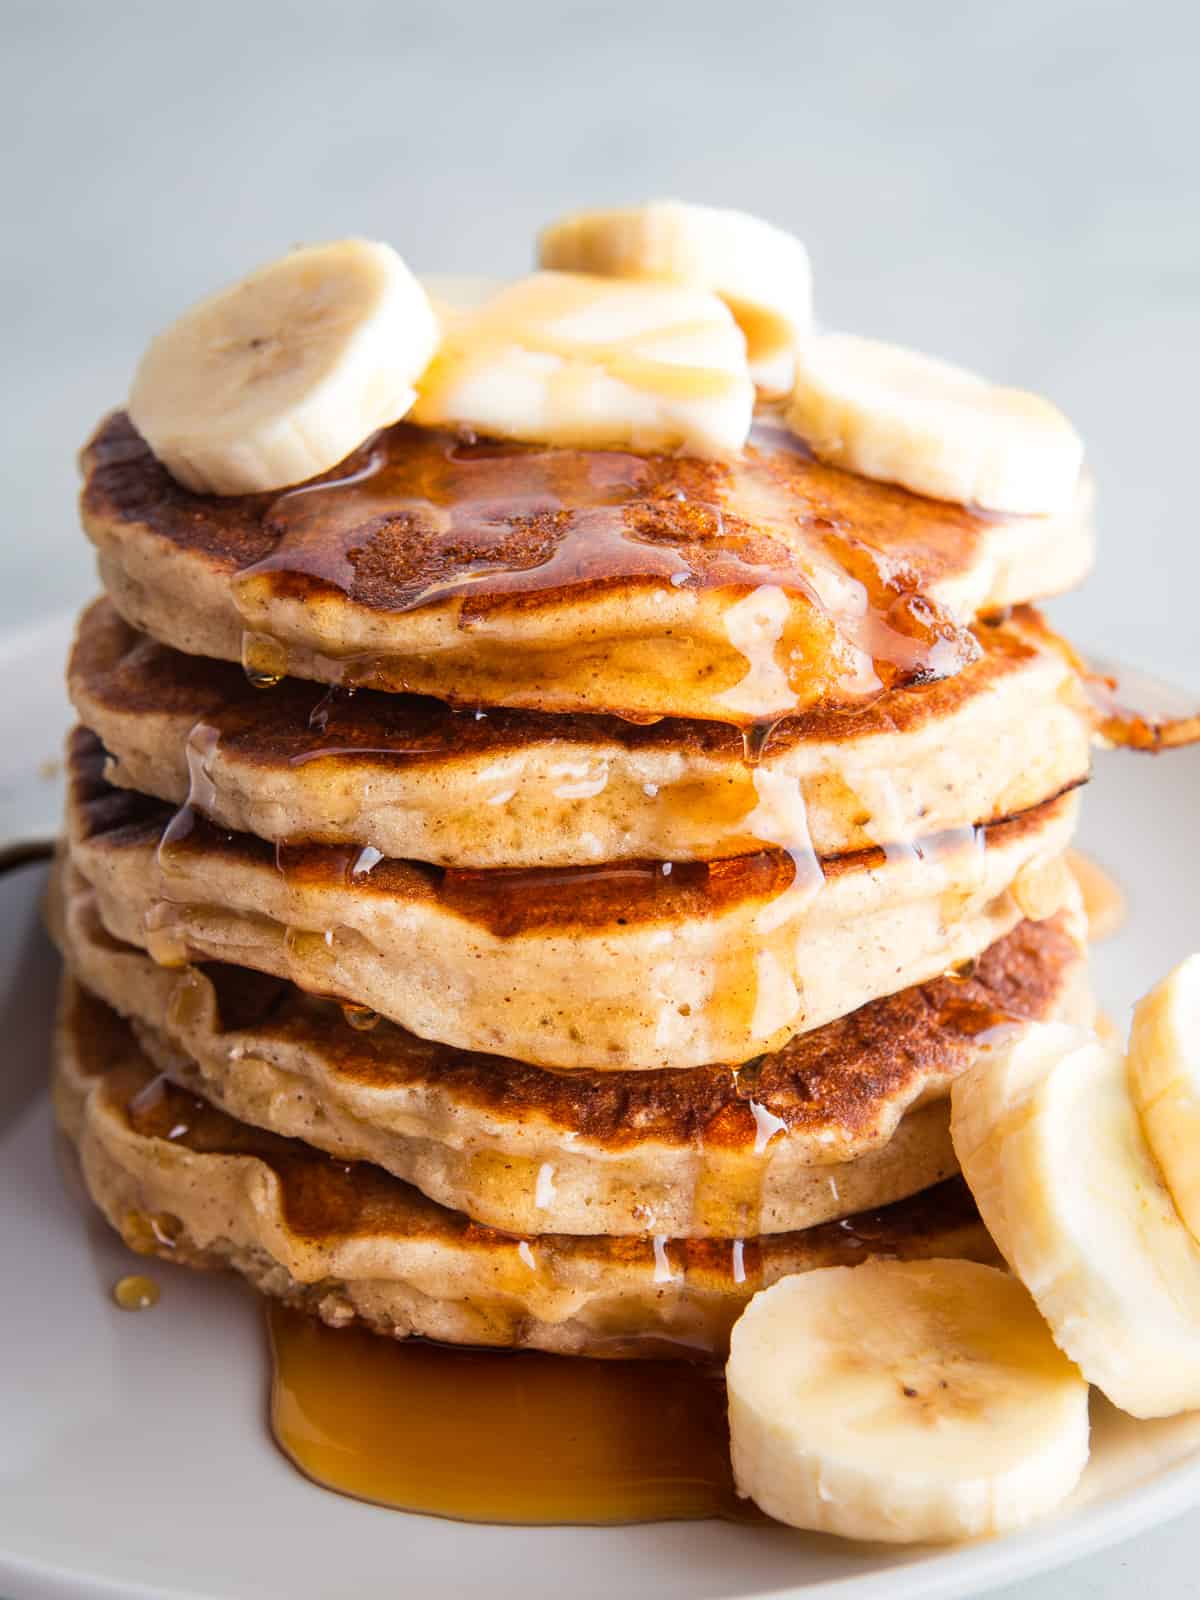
{"x": 134, "y": 1456}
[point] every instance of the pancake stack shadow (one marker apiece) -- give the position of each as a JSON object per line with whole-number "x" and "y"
{"x": 534, "y": 897}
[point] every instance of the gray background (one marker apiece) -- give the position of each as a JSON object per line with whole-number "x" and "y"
{"x": 1011, "y": 185}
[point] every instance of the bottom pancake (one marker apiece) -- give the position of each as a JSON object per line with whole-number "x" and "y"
{"x": 349, "y": 1242}
{"x": 849, "y": 1118}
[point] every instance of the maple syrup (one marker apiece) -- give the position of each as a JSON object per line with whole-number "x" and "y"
{"x": 417, "y": 518}
{"x": 264, "y": 660}
{"x": 1103, "y": 902}
{"x": 135, "y": 1293}
{"x": 498, "y": 1435}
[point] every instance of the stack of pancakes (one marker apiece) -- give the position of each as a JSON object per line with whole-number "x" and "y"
{"x": 531, "y": 896}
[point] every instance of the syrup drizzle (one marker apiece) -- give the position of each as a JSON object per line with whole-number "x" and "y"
{"x": 500, "y": 1436}
{"x": 513, "y": 524}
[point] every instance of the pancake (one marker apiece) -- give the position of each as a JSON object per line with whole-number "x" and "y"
{"x": 416, "y": 780}
{"x": 349, "y": 1242}
{"x": 850, "y": 1117}
{"x": 486, "y": 573}
{"x": 634, "y": 966}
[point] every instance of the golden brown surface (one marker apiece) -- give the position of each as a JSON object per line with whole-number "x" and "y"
{"x": 505, "y": 902}
{"x": 413, "y": 778}
{"x": 732, "y": 957}
{"x": 186, "y": 1182}
{"x": 847, "y": 1117}
{"x": 421, "y": 560}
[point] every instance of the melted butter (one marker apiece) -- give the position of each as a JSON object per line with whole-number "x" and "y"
{"x": 1103, "y": 902}
{"x": 500, "y": 1436}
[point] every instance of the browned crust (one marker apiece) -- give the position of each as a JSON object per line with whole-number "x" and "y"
{"x": 132, "y": 675}
{"x": 887, "y": 1051}
{"x": 322, "y": 1196}
{"x": 391, "y": 558}
{"x": 507, "y": 903}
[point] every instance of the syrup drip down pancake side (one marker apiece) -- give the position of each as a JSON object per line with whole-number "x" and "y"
{"x": 349, "y": 1242}
{"x": 732, "y": 957}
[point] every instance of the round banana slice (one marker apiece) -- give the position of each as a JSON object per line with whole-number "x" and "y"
{"x": 903, "y": 1401}
{"x": 1164, "y": 1078}
{"x": 1052, "y": 1149}
{"x": 762, "y": 273}
{"x": 906, "y": 418}
{"x": 281, "y": 376}
{"x": 560, "y": 358}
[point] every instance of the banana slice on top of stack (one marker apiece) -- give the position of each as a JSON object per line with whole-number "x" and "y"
{"x": 563, "y": 358}
{"x": 647, "y": 329}
{"x": 278, "y": 378}
{"x": 762, "y": 273}
{"x": 937, "y": 429}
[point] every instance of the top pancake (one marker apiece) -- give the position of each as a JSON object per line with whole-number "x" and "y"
{"x": 570, "y": 580}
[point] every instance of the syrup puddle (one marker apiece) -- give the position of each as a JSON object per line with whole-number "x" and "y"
{"x": 500, "y": 1436}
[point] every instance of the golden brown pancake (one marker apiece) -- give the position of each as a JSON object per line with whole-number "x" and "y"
{"x": 414, "y": 779}
{"x": 486, "y": 573}
{"x": 349, "y": 1242}
{"x": 848, "y": 1118}
{"x": 629, "y": 966}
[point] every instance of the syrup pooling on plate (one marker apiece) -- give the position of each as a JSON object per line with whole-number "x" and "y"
{"x": 500, "y": 1436}
{"x": 419, "y": 518}
{"x": 135, "y": 1292}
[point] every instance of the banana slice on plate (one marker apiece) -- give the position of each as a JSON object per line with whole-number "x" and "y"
{"x": 1052, "y": 1148}
{"x": 761, "y": 272}
{"x": 281, "y": 376}
{"x": 1164, "y": 1078}
{"x": 560, "y": 358}
{"x": 906, "y": 418}
{"x": 903, "y": 1401}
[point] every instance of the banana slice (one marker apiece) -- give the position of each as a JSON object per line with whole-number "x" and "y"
{"x": 1164, "y": 1078}
{"x": 281, "y": 376}
{"x": 903, "y": 1401}
{"x": 762, "y": 273}
{"x": 1051, "y": 1147}
{"x": 563, "y": 359}
{"x": 905, "y": 418}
